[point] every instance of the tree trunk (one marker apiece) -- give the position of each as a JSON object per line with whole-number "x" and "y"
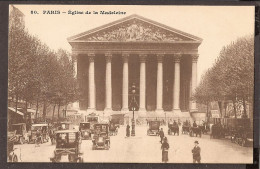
{"x": 220, "y": 108}
{"x": 37, "y": 107}
{"x": 244, "y": 105}
{"x": 207, "y": 112}
{"x": 16, "y": 103}
{"x": 59, "y": 110}
{"x": 234, "y": 106}
{"x": 44, "y": 109}
{"x": 53, "y": 111}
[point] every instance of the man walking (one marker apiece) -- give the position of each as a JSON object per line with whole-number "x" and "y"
{"x": 127, "y": 130}
{"x": 196, "y": 153}
{"x": 161, "y": 134}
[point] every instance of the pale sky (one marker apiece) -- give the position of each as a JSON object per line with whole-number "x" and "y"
{"x": 216, "y": 25}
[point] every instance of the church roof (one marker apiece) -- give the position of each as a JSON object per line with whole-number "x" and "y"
{"x": 134, "y": 28}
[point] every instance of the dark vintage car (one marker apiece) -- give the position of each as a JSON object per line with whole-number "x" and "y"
{"x": 195, "y": 131}
{"x": 68, "y": 143}
{"x": 217, "y": 131}
{"x": 11, "y": 155}
{"x": 154, "y": 127}
{"x": 84, "y": 128}
{"x": 101, "y": 139}
{"x": 173, "y": 128}
{"x": 19, "y": 133}
{"x": 242, "y": 136}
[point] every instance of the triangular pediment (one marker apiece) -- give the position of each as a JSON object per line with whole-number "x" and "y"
{"x": 134, "y": 29}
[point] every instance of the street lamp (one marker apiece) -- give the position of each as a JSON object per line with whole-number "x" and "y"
{"x": 133, "y": 107}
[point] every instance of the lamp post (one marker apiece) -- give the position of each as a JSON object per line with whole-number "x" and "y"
{"x": 133, "y": 107}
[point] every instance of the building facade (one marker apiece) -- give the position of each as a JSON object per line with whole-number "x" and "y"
{"x": 160, "y": 60}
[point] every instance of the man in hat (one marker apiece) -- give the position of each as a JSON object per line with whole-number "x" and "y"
{"x": 196, "y": 152}
{"x": 161, "y": 134}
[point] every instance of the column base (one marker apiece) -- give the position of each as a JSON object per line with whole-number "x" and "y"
{"x": 176, "y": 110}
{"x": 124, "y": 110}
{"x": 194, "y": 110}
{"x": 91, "y": 110}
{"x": 159, "y": 111}
{"x": 108, "y": 111}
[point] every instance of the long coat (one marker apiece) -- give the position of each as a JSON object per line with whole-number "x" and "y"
{"x": 196, "y": 153}
{"x": 127, "y": 130}
{"x": 165, "y": 146}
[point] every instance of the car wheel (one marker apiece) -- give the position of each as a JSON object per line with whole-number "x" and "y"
{"x": 243, "y": 143}
{"x": 21, "y": 140}
{"x": 14, "y": 158}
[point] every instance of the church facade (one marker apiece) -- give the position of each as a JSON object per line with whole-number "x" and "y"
{"x": 161, "y": 61}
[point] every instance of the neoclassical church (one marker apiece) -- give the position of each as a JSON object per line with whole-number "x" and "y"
{"x": 161, "y": 61}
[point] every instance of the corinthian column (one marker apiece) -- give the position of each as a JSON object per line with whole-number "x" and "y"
{"x": 125, "y": 83}
{"x": 108, "y": 107}
{"x": 92, "y": 87}
{"x": 159, "y": 96}
{"x": 142, "y": 82}
{"x": 194, "y": 80}
{"x": 176, "y": 84}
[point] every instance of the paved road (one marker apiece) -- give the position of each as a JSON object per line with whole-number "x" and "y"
{"x": 143, "y": 148}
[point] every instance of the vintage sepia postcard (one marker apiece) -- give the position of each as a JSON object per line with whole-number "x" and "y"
{"x": 130, "y": 84}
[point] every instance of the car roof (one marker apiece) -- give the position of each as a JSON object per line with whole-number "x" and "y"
{"x": 66, "y": 131}
{"x": 66, "y": 122}
{"x": 101, "y": 124}
{"x": 35, "y": 125}
{"x": 18, "y": 124}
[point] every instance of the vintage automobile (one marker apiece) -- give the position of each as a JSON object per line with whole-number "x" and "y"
{"x": 242, "y": 136}
{"x": 173, "y": 128}
{"x": 246, "y": 140}
{"x": 93, "y": 119}
{"x": 195, "y": 131}
{"x": 11, "y": 155}
{"x": 84, "y": 128}
{"x": 217, "y": 131}
{"x": 101, "y": 139}
{"x": 154, "y": 127}
{"x": 68, "y": 145}
{"x": 19, "y": 132}
{"x": 205, "y": 128}
{"x": 113, "y": 129}
{"x": 42, "y": 128}
{"x": 65, "y": 125}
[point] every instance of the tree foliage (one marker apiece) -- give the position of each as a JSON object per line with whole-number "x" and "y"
{"x": 232, "y": 75}
{"x": 36, "y": 74}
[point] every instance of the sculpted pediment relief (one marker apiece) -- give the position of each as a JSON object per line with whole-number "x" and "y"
{"x": 134, "y": 30}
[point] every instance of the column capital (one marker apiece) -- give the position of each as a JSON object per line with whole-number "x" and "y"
{"x": 177, "y": 57}
{"x": 195, "y": 57}
{"x": 74, "y": 55}
{"x": 91, "y": 57}
{"x": 160, "y": 57}
{"x": 142, "y": 57}
{"x": 108, "y": 57}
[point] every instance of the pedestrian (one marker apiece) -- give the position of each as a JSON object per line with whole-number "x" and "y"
{"x": 165, "y": 147}
{"x": 161, "y": 134}
{"x": 196, "y": 152}
{"x": 194, "y": 124}
{"x": 127, "y": 130}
